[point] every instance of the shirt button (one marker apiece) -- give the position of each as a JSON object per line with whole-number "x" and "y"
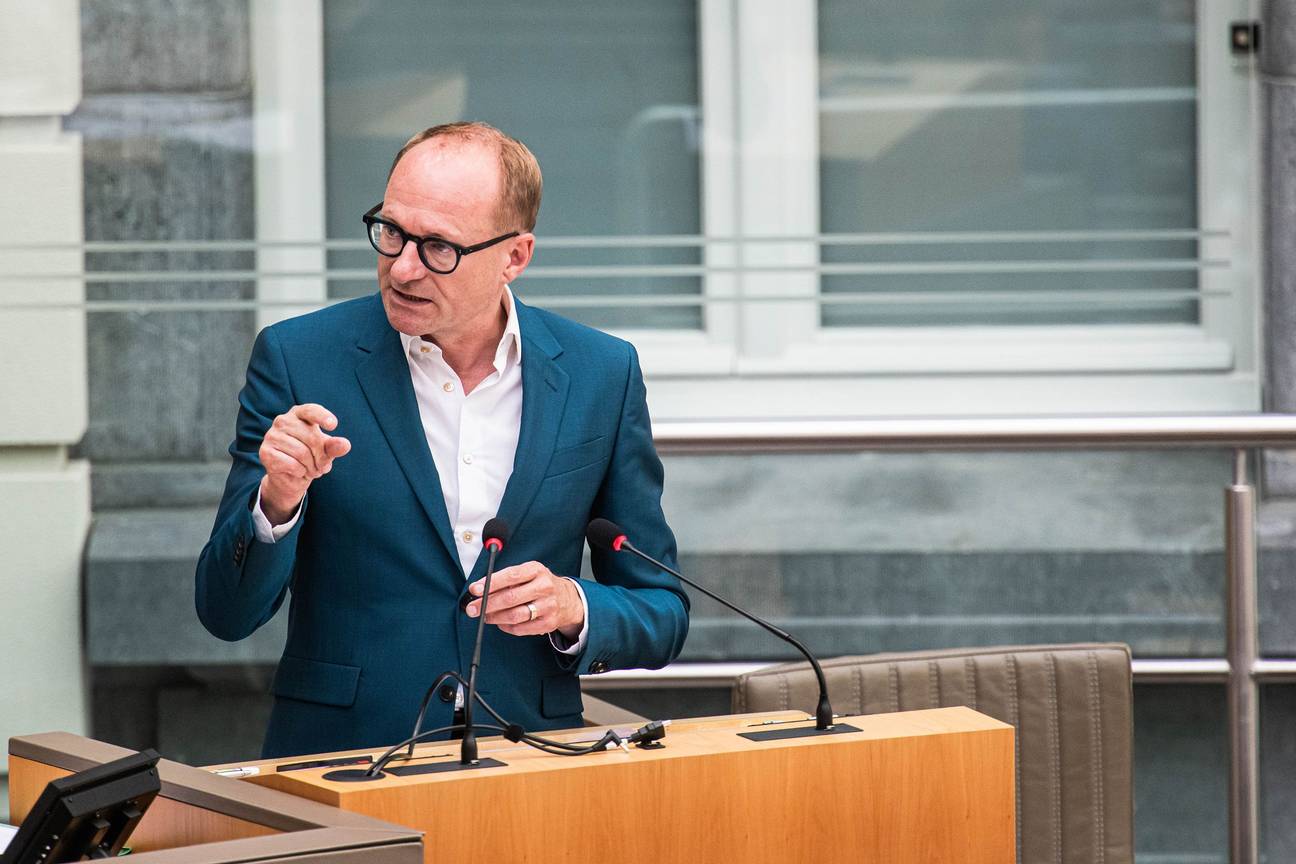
{"x": 424, "y": 349}
{"x": 448, "y": 387}
{"x": 467, "y": 535}
{"x": 467, "y": 458}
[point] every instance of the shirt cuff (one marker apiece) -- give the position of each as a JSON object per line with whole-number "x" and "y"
{"x": 267, "y": 533}
{"x": 559, "y": 641}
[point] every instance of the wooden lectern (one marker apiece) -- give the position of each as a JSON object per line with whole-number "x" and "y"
{"x": 920, "y": 786}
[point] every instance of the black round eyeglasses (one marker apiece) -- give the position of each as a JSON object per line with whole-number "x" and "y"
{"x": 437, "y": 254}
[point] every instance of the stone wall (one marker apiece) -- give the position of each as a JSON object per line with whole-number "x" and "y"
{"x": 166, "y": 121}
{"x": 1278, "y": 125}
{"x": 166, "y": 124}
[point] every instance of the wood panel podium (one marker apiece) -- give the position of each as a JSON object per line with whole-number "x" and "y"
{"x": 919, "y": 786}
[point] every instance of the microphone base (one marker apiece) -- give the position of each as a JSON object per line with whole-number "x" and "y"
{"x": 353, "y": 775}
{"x": 440, "y": 767}
{"x": 799, "y": 732}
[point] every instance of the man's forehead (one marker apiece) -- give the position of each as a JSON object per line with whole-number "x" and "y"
{"x": 450, "y": 155}
{"x": 459, "y": 180}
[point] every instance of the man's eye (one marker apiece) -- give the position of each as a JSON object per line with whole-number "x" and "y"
{"x": 390, "y": 232}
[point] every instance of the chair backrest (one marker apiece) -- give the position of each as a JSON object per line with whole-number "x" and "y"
{"x": 1070, "y": 705}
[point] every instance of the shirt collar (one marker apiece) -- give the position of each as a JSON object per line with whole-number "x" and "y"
{"x": 510, "y": 344}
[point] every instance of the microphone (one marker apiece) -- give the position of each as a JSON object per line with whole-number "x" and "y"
{"x": 608, "y": 536}
{"x": 494, "y": 536}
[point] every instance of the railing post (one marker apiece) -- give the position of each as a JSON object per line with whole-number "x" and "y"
{"x": 1243, "y": 697}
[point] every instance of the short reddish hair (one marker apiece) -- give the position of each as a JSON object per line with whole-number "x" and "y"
{"x": 520, "y": 199}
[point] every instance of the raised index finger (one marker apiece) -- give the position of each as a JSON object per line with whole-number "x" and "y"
{"x": 312, "y": 413}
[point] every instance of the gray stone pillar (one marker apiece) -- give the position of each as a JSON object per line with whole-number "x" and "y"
{"x": 1278, "y": 131}
{"x": 167, "y": 124}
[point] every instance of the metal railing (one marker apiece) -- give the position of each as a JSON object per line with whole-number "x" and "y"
{"x": 1241, "y": 669}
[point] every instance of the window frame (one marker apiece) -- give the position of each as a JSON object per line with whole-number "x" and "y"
{"x": 758, "y": 83}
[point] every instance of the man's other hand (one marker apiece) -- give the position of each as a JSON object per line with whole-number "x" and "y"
{"x": 516, "y": 591}
{"x": 294, "y": 452}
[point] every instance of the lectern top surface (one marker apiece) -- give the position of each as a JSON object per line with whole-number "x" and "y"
{"x": 686, "y": 738}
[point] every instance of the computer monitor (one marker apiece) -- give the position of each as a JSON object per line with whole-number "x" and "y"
{"x": 89, "y": 814}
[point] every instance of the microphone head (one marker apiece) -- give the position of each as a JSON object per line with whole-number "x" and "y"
{"x": 606, "y": 535}
{"x": 496, "y": 533}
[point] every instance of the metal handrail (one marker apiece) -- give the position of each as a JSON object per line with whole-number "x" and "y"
{"x": 1241, "y": 669}
{"x": 1169, "y": 432}
{"x": 691, "y": 675}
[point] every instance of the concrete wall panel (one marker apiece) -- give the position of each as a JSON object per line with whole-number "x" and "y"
{"x": 44, "y": 517}
{"x": 42, "y": 332}
{"x": 40, "y": 57}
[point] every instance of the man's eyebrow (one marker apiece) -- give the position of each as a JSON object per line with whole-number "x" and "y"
{"x": 435, "y": 235}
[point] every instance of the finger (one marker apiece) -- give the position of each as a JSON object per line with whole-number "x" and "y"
{"x": 317, "y": 442}
{"x": 317, "y": 414}
{"x": 291, "y": 426}
{"x": 336, "y": 448}
{"x": 297, "y": 450}
{"x": 519, "y": 595}
{"x": 509, "y": 576}
{"x": 501, "y": 601}
{"x": 331, "y": 448}
{"x": 538, "y": 627}
{"x": 276, "y": 461}
{"x": 545, "y": 607}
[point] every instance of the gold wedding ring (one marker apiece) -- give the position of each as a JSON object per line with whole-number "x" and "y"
{"x": 531, "y": 607}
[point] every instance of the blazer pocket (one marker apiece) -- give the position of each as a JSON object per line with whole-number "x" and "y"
{"x": 560, "y": 696}
{"x": 316, "y": 681}
{"x": 580, "y": 456}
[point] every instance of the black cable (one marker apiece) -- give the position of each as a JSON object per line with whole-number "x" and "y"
{"x": 423, "y": 706}
{"x": 381, "y": 761}
{"x": 645, "y": 734}
{"x": 555, "y": 748}
{"x": 529, "y": 738}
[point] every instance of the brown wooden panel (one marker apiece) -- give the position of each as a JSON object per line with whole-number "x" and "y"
{"x": 168, "y": 824}
{"x": 27, "y": 780}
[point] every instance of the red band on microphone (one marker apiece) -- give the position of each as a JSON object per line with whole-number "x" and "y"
{"x": 494, "y": 543}
{"x": 616, "y": 544}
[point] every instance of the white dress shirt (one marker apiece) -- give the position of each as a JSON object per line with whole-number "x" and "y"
{"x": 473, "y": 438}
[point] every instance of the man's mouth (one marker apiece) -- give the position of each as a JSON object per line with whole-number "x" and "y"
{"x": 410, "y": 298}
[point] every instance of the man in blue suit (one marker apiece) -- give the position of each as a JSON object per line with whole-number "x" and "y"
{"x": 375, "y": 438}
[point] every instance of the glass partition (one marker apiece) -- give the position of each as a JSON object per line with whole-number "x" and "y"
{"x": 1004, "y": 121}
{"x": 605, "y": 96}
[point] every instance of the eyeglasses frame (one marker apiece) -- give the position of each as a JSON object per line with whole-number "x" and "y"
{"x": 371, "y": 218}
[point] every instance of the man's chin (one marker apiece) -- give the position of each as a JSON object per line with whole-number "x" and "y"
{"x": 405, "y": 316}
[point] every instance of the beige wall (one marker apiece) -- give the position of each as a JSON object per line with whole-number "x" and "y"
{"x": 44, "y": 495}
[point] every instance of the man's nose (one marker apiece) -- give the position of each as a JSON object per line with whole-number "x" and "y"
{"x": 408, "y": 266}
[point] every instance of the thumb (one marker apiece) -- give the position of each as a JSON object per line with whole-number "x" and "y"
{"x": 335, "y": 447}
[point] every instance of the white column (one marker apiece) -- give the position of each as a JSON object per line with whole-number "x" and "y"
{"x": 44, "y": 495}
{"x": 778, "y": 175}
{"x": 288, "y": 130}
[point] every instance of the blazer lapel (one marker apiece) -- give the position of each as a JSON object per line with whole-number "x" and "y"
{"x": 544, "y": 396}
{"x": 385, "y": 379}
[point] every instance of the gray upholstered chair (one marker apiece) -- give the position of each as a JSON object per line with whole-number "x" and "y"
{"x": 1070, "y": 705}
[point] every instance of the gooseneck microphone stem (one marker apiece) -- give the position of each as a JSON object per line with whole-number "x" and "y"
{"x": 823, "y": 711}
{"x": 495, "y": 533}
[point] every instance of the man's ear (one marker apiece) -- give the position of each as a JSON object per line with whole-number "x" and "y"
{"x": 520, "y": 250}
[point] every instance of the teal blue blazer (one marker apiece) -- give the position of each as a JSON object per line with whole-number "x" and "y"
{"x": 370, "y": 569}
